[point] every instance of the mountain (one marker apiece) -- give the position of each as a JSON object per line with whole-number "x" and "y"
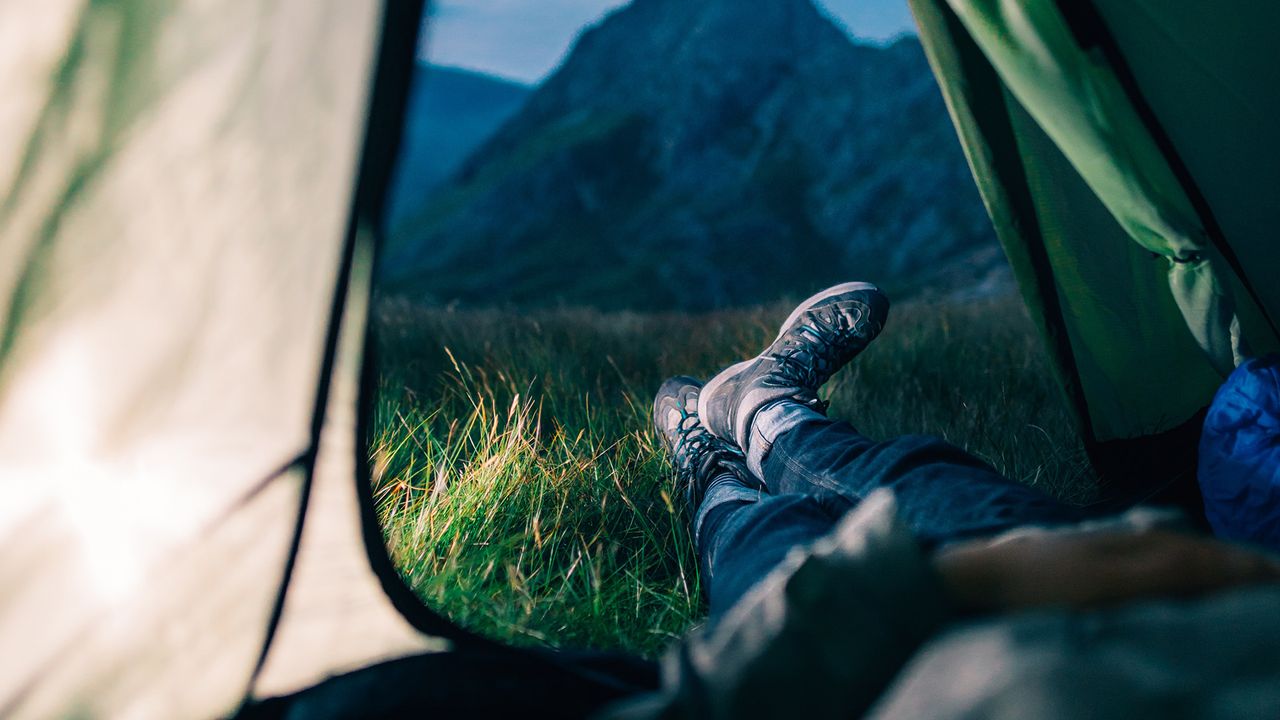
{"x": 692, "y": 155}
{"x": 451, "y": 112}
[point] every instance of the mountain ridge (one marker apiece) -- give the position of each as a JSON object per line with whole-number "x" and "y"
{"x": 700, "y": 155}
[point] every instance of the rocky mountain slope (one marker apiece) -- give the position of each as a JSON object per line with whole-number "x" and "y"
{"x": 692, "y": 155}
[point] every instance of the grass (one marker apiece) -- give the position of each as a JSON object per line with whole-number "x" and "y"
{"x": 523, "y": 494}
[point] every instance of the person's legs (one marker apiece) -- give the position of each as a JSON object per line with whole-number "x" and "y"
{"x": 943, "y": 492}
{"x": 765, "y": 407}
{"x": 743, "y": 534}
{"x": 740, "y": 530}
{"x": 813, "y": 469}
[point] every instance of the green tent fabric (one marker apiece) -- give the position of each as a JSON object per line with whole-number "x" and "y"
{"x": 1126, "y": 153}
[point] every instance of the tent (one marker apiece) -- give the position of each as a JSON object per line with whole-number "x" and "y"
{"x": 1126, "y": 152}
{"x": 189, "y": 195}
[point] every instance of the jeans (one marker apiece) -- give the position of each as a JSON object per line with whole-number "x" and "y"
{"x": 815, "y": 470}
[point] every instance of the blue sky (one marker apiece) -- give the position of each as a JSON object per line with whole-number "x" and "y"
{"x": 525, "y": 39}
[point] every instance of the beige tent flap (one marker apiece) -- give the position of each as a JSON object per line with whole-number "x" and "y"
{"x": 176, "y": 178}
{"x": 336, "y": 616}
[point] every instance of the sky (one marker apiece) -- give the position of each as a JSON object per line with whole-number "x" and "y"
{"x": 526, "y": 39}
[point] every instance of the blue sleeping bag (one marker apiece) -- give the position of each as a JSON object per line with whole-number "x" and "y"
{"x": 1240, "y": 455}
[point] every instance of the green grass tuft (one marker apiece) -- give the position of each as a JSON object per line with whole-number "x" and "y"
{"x": 523, "y": 494}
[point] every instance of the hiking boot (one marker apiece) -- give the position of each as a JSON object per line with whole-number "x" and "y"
{"x": 821, "y": 336}
{"x": 698, "y": 456}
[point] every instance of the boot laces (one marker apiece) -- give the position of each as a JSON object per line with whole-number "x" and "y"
{"x": 813, "y": 351}
{"x": 696, "y": 450}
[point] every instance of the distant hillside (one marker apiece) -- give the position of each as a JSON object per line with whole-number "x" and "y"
{"x": 691, "y": 155}
{"x": 451, "y": 112}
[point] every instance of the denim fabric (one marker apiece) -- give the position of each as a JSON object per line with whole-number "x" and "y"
{"x": 726, "y": 488}
{"x": 817, "y": 469}
{"x": 742, "y": 540}
{"x": 771, "y": 422}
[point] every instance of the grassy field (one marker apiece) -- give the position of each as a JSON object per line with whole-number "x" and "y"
{"x": 523, "y": 493}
